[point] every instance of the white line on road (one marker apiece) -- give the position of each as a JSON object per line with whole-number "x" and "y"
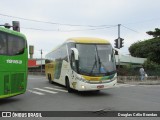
{"x": 127, "y": 85}
{"x": 36, "y": 77}
{"x": 123, "y": 85}
{"x": 120, "y": 85}
{"x": 59, "y": 87}
{"x": 39, "y": 93}
{"x": 45, "y": 90}
{"x": 56, "y": 89}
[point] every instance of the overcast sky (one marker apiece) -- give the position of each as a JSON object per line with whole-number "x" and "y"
{"x": 136, "y": 17}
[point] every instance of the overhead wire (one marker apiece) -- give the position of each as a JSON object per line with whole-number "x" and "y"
{"x": 93, "y": 27}
{"x": 129, "y": 28}
{"x": 59, "y": 30}
{"x": 55, "y": 23}
{"x": 88, "y": 29}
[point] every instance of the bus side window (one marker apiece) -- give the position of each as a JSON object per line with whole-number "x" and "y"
{"x": 3, "y": 44}
{"x": 73, "y": 61}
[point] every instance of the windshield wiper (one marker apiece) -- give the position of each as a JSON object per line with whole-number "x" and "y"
{"x": 20, "y": 51}
{"x": 100, "y": 63}
{"x": 95, "y": 64}
{"x": 102, "y": 67}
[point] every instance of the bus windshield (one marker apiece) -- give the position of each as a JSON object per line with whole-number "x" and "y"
{"x": 11, "y": 45}
{"x": 96, "y": 59}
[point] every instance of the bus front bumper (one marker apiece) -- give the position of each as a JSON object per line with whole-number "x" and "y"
{"x": 83, "y": 86}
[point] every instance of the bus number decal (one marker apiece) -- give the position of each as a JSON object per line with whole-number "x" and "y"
{"x": 14, "y": 61}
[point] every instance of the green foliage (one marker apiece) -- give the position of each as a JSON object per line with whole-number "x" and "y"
{"x": 155, "y": 33}
{"x": 148, "y": 64}
{"x": 152, "y": 68}
{"x": 149, "y": 49}
{"x": 128, "y": 70}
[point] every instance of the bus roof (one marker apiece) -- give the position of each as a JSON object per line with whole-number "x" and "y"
{"x": 88, "y": 40}
{"x": 12, "y": 32}
{"x": 84, "y": 40}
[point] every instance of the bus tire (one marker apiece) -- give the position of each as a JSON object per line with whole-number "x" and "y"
{"x": 68, "y": 86}
{"x": 97, "y": 91}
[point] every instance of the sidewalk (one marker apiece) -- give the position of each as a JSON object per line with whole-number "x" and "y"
{"x": 135, "y": 80}
{"x": 145, "y": 82}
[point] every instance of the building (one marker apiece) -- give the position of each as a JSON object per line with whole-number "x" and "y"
{"x": 34, "y": 65}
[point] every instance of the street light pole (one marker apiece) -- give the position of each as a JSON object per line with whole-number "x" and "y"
{"x": 119, "y": 25}
{"x": 41, "y": 61}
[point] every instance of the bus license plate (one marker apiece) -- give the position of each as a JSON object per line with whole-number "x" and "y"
{"x": 100, "y": 86}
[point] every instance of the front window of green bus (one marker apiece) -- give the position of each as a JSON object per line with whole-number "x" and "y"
{"x": 96, "y": 59}
{"x": 11, "y": 45}
{"x": 16, "y": 45}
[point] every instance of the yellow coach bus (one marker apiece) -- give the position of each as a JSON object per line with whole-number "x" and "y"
{"x": 83, "y": 64}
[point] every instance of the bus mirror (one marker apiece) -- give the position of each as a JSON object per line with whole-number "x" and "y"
{"x": 116, "y": 52}
{"x": 75, "y": 53}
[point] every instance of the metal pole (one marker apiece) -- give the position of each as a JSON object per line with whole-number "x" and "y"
{"x": 119, "y": 25}
{"x": 41, "y": 61}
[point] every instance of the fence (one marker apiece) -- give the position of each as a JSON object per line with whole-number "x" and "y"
{"x": 124, "y": 79}
{"x": 36, "y": 73}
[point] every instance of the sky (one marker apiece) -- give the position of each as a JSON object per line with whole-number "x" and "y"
{"x": 48, "y": 23}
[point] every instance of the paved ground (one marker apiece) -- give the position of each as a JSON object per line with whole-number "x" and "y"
{"x": 42, "y": 96}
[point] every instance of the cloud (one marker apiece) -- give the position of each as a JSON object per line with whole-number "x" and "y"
{"x": 83, "y": 12}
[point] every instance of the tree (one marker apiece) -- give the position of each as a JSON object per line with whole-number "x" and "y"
{"x": 155, "y": 33}
{"x": 149, "y": 49}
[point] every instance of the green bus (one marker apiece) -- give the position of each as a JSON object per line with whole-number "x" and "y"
{"x": 13, "y": 63}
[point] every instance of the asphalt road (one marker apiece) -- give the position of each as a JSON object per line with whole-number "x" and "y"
{"x": 43, "y": 96}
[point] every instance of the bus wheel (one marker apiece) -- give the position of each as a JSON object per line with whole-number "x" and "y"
{"x": 68, "y": 86}
{"x": 97, "y": 91}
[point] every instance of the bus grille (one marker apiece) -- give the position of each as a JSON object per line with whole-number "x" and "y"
{"x": 17, "y": 82}
{"x": 6, "y": 84}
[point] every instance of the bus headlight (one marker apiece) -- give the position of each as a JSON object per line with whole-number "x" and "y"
{"x": 83, "y": 87}
{"x": 79, "y": 77}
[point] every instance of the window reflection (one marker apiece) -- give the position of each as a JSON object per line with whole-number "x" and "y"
{"x": 11, "y": 45}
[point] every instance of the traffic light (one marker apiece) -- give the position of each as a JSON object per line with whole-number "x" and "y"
{"x": 121, "y": 42}
{"x": 116, "y": 43}
{"x": 16, "y": 25}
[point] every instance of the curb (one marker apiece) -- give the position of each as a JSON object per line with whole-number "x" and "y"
{"x": 141, "y": 83}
